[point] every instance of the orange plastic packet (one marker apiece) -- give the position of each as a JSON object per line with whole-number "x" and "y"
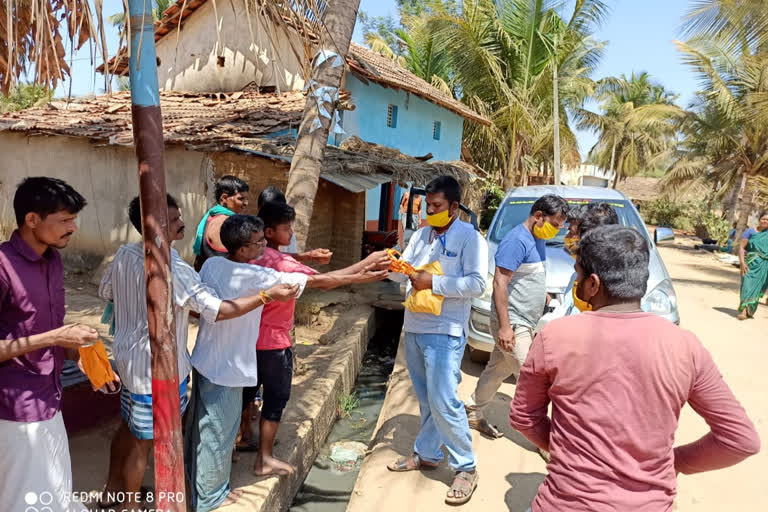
{"x": 96, "y": 364}
{"x": 399, "y": 265}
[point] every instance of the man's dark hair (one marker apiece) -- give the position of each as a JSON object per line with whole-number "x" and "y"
{"x": 271, "y": 194}
{"x": 275, "y": 213}
{"x": 134, "y": 210}
{"x": 44, "y": 196}
{"x": 762, "y": 214}
{"x": 236, "y": 231}
{"x": 447, "y": 185}
{"x": 619, "y": 256}
{"x": 229, "y": 185}
{"x": 576, "y": 213}
{"x": 598, "y": 214}
{"x": 550, "y": 205}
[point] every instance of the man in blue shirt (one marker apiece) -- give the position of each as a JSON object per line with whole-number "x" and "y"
{"x": 434, "y": 344}
{"x": 519, "y": 299}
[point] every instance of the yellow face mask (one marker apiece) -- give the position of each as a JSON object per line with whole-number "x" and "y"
{"x": 545, "y": 232}
{"x": 581, "y": 305}
{"x": 439, "y": 220}
{"x": 571, "y": 243}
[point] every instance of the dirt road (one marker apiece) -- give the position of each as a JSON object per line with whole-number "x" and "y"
{"x": 511, "y": 469}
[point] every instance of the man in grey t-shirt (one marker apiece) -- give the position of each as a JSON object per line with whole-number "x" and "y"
{"x": 519, "y": 298}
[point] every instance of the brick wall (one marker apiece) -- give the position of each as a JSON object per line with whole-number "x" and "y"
{"x": 338, "y": 217}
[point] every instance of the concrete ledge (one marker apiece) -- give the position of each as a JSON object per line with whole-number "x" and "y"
{"x": 330, "y": 370}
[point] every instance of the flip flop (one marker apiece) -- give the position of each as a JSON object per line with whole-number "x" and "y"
{"x": 464, "y": 482}
{"x": 401, "y": 465}
{"x": 485, "y": 428}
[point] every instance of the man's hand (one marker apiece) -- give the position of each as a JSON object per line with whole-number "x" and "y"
{"x": 283, "y": 292}
{"x": 75, "y": 336}
{"x": 378, "y": 260}
{"x": 320, "y": 256}
{"x": 371, "y": 274}
{"x": 421, "y": 280}
{"x": 744, "y": 269}
{"x": 506, "y": 338}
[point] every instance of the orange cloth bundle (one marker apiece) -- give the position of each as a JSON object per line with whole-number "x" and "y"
{"x": 399, "y": 265}
{"x": 96, "y": 364}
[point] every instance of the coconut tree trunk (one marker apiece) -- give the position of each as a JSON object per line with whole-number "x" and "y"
{"x": 731, "y": 204}
{"x": 747, "y": 205}
{"x": 312, "y": 139}
{"x": 613, "y": 163}
{"x": 556, "y": 103}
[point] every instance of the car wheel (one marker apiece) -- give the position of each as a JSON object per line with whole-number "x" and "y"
{"x": 478, "y": 356}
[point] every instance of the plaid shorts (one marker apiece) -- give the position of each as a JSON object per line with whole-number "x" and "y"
{"x": 136, "y": 410}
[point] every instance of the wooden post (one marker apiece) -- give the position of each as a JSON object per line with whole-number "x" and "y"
{"x": 150, "y": 152}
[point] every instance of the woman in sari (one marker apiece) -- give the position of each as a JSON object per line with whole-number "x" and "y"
{"x": 753, "y": 255}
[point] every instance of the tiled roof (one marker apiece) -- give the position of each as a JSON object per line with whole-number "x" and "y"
{"x": 365, "y": 63}
{"x": 379, "y": 69}
{"x": 190, "y": 119}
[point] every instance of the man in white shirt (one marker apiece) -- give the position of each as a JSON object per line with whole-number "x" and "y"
{"x": 434, "y": 344}
{"x": 224, "y": 358}
{"x": 123, "y": 284}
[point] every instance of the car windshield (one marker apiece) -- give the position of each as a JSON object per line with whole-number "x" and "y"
{"x": 515, "y": 210}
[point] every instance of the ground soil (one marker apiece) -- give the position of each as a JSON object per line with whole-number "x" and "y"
{"x": 511, "y": 469}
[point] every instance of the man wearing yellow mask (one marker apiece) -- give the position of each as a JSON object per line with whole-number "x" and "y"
{"x": 519, "y": 299}
{"x": 434, "y": 343}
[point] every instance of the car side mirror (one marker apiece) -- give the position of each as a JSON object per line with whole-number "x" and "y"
{"x": 663, "y": 235}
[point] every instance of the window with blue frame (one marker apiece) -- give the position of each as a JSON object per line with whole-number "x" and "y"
{"x": 392, "y": 116}
{"x": 436, "y": 130}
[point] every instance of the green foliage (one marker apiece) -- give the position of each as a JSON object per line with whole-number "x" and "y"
{"x": 494, "y": 195}
{"x": 24, "y": 96}
{"x": 687, "y": 216}
{"x": 348, "y": 402}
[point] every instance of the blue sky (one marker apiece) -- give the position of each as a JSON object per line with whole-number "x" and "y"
{"x": 639, "y": 35}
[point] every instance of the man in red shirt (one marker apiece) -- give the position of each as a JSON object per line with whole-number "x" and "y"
{"x": 617, "y": 378}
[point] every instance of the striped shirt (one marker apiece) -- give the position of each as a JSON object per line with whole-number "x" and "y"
{"x": 522, "y": 253}
{"x": 225, "y": 352}
{"x": 123, "y": 284}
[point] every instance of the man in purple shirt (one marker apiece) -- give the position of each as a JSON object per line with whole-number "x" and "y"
{"x": 34, "y": 342}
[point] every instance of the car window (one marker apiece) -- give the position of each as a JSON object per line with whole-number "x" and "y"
{"x": 515, "y": 210}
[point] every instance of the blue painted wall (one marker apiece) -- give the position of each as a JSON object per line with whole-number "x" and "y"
{"x": 413, "y": 134}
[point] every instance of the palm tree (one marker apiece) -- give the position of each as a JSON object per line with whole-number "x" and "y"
{"x": 502, "y": 54}
{"x": 339, "y": 23}
{"x": 636, "y": 127}
{"x": 726, "y": 135}
{"x": 118, "y": 19}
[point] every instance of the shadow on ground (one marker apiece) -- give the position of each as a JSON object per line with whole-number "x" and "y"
{"x": 523, "y": 488}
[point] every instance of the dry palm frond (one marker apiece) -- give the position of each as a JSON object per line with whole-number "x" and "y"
{"x": 31, "y": 38}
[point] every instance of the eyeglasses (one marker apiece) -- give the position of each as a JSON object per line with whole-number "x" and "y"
{"x": 263, "y": 241}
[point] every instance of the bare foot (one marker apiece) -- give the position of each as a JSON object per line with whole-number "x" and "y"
{"x": 271, "y": 466}
{"x": 742, "y": 315}
{"x": 235, "y": 456}
{"x": 231, "y": 498}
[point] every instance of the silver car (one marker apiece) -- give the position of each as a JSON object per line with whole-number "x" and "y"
{"x": 516, "y": 207}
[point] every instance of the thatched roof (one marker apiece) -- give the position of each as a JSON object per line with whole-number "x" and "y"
{"x": 248, "y": 122}
{"x": 364, "y": 63}
{"x": 639, "y": 188}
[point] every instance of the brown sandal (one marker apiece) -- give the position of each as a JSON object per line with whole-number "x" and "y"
{"x": 465, "y": 483}
{"x": 485, "y": 428}
{"x": 402, "y": 464}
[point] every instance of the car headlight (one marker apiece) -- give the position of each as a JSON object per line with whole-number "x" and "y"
{"x": 662, "y": 299}
{"x": 480, "y": 322}
{"x": 488, "y": 295}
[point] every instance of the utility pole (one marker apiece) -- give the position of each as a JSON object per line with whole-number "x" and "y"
{"x": 150, "y": 152}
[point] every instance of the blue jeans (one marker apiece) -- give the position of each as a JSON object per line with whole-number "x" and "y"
{"x": 434, "y": 362}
